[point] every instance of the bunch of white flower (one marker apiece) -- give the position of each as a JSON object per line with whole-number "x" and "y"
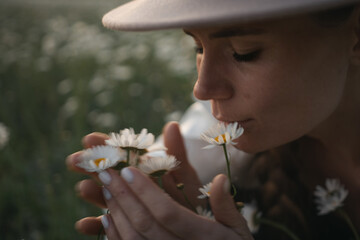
{"x": 127, "y": 148}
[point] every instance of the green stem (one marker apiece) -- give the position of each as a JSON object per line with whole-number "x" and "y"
{"x": 137, "y": 159}
{"x": 160, "y": 182}
{"x": 228, "y": 169}
{"x": 188, "y": 201}
{"x": 100, "y": 233}
{"x": 278, "y": 226}
{"x": 349, "y": 222}
{"x": 128, "y": 157}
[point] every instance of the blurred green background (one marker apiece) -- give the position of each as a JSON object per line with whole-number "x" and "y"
{"x": 62, "y": 75}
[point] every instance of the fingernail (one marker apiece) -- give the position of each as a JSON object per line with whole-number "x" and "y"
{"x": 127, "y": 175}
{"x": 77, "y": 187}
{"x": 226, "y": 186}
{"x": 105, "y": 221}
{"x": 73, "y": 159}
{"x": 106, "y": 193}
{"x": 105, "y": 177}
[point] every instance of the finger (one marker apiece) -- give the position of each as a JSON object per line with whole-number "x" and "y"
{"x": 94, "y": 139}
{"x": 224, "y": 208}
{"x": 120, "y": 199}
{"x": 173, "y": 141}
{"x": 177, "y": 219}
{"x": 185, "y": 173}
{"x": 109, "y": 227}
{"x": 72, "y": 161}
{"x": 90, "y": 140}
{"x": 89, "y": 226}
{"x": 90, "y": 191}
{"x": 119, "y": 219}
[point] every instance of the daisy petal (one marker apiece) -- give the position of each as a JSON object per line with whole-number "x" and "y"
{"x": 99, "y": 158}
{"x": 221, "y": 134}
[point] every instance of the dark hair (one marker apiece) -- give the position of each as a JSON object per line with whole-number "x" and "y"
{"x": 283, "y": 197}
{"x": 333, "y": 17}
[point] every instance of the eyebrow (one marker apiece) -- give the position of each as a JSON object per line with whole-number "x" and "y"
{"x": 238, "y": 32}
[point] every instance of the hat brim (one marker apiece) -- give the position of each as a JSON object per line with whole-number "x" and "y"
{"x": 143, "y": 15}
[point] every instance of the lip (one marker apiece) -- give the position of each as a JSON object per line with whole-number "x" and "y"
{"x": 245, "y": 122}
{"x": 242, "y": 123}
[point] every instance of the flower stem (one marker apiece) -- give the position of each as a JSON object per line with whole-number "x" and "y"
{"x": 228, "y": 169}
{"x": 101, "y": 232}
{"x": 349, "y": 222}
{"x": 278, "y": 226}
{"x": 188, "y": 201}
{"x": 159, "y": 179}
{"x": 128, "y": 157}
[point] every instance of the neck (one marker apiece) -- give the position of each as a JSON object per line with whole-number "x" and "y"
{"x": 335, "y": 148}
{"x": 340, "y": 133}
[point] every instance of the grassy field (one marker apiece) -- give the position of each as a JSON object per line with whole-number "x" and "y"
{"x": 62, "y": 75}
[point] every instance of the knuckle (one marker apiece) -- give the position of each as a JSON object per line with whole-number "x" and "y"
{"x": 130, "y": 236}
{"x": 166, "y": 216}
{"x": 142, "y": 221}
{"x": 119, "y": 192}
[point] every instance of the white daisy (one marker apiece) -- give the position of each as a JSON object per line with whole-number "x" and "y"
{"x": 156, "y": 147}
{"x": 158, "y": 165}
{"x": 99, "y": 158}
{"x": 221, "y": 134}
{"x": 250, "y": 213}
{"x": 127, "y": 139}
{"x": 205, "y": 190}
{"x": 331, "y": 197}
{"x": 205, "y": 213}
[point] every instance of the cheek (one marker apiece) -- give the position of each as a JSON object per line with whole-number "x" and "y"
{"x": 198, "y": 61}
{"x": 289, "y": 103}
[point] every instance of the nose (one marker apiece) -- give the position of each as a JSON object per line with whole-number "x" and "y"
{"x": 212, "y": 82}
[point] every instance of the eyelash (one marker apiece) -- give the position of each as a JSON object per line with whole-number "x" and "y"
{"x": 199, "y": 50}
{"x": 238, "y": 57}
{"x": 252, "y": 56}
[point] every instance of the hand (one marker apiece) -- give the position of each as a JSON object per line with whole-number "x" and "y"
{"x": 88, "y": 189}
{"x": 139, "y": 209}
{"x": 91, "y": 191}
{"x": 185, "y": 173}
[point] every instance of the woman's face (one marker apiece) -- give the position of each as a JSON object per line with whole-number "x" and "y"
{"x": 280, "y": 80}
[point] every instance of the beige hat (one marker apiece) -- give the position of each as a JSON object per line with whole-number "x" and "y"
{"x": 139, "y": 15}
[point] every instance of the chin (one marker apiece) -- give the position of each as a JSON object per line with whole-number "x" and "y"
{"x": 252, "y": 147}
{"x": 248, "y": 148}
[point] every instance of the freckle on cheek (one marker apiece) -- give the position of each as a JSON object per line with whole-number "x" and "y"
{"x": 246, "y": 96}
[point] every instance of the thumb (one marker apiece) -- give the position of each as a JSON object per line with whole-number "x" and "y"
{"x": 174, "y": 142}
{"x": 185, "y": 174}
{"x": 224, "y": 209}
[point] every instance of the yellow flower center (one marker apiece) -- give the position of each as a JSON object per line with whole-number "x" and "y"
{"x": 98, "y": 161}
{"x": 223, "y": 137}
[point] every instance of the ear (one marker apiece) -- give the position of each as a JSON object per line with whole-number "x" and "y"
{"x": 355, "y": 51}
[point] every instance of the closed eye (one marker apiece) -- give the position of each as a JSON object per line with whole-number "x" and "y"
{"x": 252, "y": 56}
{"x": 199, "y": 50}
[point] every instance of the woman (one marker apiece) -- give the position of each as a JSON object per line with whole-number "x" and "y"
{"x": 288, "y": 72}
